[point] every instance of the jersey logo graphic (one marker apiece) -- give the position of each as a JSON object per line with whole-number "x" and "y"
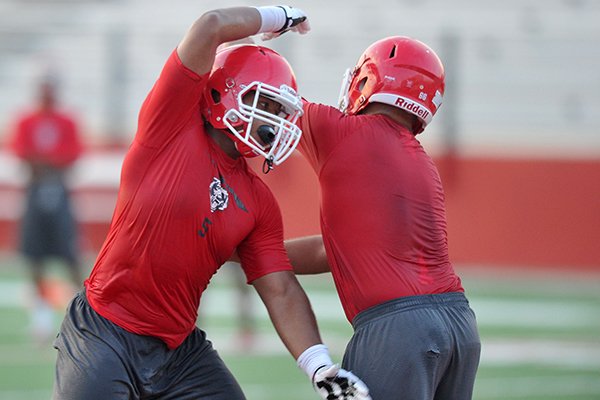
{"x": 218, "y": 196}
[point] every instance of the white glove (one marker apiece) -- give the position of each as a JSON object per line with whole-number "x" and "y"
{"x": 277, "y": 20}
{"x": 335, "y": 383}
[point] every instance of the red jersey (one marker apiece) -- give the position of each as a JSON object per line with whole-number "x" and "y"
{"x": 47, "y": 136}
{"x": 382, "y": 208}
{"x": 182, "y": 209}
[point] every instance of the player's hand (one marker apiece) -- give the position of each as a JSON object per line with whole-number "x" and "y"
{"x": 296, "y": 20}
{"x": 335, "y": 383}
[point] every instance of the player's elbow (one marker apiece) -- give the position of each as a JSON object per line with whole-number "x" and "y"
{"x": 210, "y": 25}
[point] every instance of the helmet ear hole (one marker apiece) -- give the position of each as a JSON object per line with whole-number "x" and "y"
{"x": 393, "y": 52}
{"x": 362, "y": 83}
{"x": 216, "y": 96}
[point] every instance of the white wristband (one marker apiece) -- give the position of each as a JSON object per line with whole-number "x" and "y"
{"x": 273, "y": 18}
{"x": 314, "y": 358}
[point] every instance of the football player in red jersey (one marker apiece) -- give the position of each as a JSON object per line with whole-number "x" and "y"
{"x": 48, "y": 141}
{"x": 187, "y": 201}
{"x": 383, "y": 225}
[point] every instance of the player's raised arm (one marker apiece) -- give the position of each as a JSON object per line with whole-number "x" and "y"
{"x": 198, "y": 47}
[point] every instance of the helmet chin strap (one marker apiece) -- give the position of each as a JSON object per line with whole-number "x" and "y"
{"x": 266, "y": 133}
{"x": 267, "y": 166}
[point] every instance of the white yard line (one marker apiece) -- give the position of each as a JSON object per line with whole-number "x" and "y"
{"x": 559, "y": 353}
{"x": 535, "y": 314}
{"x": 15, "y": 294}
{"x": 547, "y": 386}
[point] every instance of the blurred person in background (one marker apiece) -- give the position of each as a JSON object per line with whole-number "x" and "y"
{"x": 187, "y": 201}
{"x": 383, "y": 224}
{"x": 47, "y": 140}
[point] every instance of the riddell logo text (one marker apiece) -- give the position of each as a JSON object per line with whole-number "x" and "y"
{"x": 412, "y": 107}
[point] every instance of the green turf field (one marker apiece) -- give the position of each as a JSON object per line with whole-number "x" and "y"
{"x": 540, "y": 334}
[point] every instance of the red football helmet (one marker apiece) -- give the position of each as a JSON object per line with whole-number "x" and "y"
{"x": 399, "y": 71}
{"x": 243, "y": 69}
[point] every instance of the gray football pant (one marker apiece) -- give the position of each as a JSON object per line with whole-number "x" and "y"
{"x": 98, "y": 360}
{"x": 416, "y": 348}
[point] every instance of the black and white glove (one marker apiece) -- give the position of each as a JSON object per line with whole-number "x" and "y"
{"x": 329, "y": 380}
{"x": 335, "y": 383}
{"x": 276, "y": 20}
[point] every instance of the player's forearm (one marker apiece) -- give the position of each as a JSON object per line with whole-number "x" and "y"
{"x": 289, "y": 310}
{"x": 295, "y": 323}
{"x": 198, "y": 47}
{"x": 307, "y": 255}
